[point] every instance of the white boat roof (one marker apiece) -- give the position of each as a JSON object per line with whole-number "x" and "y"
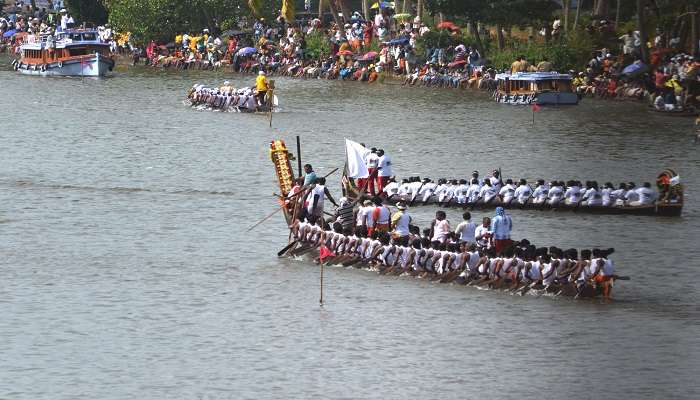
{"x": 534, "y": 76}
{"x": 70, "y": 37}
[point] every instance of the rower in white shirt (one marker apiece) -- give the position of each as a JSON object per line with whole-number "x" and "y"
{"x": 427, "y": 190}
{"x": 556, "y": 193}
{"x": 572, "y": 196}
{"x": 619, "y": 194}
{"x": 607, "y": 199}
{"x": 461, "y": 191}
{"x": 473, "y": 191}
{"x": 487, "y": 192}
{"x": 507, "y": 192}
{"x": 592, "y": 195}
{"x": 523, "y": 192}
{"x": 541, "y": 191}
{"x": 392, "y": 188}
{"x": 631, "y": 196}
{"x": 646, "y": 195}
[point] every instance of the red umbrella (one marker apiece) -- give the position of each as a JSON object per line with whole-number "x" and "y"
{"x": 456, "y": 63}
{"x": 448, "y": 25}
{"x": 345, "y": 53}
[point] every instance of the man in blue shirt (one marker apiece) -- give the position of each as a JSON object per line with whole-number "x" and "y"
{"x": 501, "y": 225}
{"x": 309, "y": 175}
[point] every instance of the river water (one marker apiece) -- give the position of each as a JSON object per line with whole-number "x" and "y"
{"x": 127, "y": 271}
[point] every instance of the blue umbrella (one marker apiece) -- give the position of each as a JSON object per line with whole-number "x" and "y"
{"x": 9, "y": 33}
{"x": 398, "y": 41}
{"x": 247, "y": 51}
{"x": 632, "y": 68}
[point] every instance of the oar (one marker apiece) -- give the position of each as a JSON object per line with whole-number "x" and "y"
{"x": 266, "y": 218}
{"x": 287, "y": 247}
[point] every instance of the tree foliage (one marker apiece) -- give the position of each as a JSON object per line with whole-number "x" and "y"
{"x": 91, "y": 11}
{"x": 163, "y": 19}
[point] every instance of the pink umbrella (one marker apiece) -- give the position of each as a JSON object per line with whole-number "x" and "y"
{"x": 370, "y": 56}
{"x": 345, "y": 53}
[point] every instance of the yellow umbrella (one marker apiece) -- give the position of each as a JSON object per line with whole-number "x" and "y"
{"x": 384, "y": 4}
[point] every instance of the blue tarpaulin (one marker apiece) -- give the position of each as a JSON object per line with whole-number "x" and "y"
{"x": 398, "y": 41}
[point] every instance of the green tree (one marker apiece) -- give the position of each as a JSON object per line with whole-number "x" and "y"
{"x": 92, "y": 11}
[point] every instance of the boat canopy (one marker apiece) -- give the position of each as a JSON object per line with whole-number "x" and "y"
{"x": 534, "y": 76}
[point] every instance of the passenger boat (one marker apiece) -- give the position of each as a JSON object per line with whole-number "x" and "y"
{"x": 281, "y": 159}
{"x": 542, "y": 88}
{"x": 234, "y": 100}
{"x": 670, "y": 203}
{"x": 74, "y": 52}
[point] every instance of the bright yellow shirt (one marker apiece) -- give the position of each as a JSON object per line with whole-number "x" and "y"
{"x": 261, "y": 83}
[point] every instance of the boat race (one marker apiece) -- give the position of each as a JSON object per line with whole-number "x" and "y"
{"x": 350, "y": 199}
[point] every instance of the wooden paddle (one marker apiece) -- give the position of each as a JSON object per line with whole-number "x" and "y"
{"x": 287, "y": 247}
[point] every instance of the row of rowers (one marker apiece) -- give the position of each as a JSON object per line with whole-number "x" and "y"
{"x": 517, "y": 265}
{"x": 495, "y": 189}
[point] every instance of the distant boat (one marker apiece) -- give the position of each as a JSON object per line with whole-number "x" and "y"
{"x": 76, "y": 52}
{"x": 541, "y": 88}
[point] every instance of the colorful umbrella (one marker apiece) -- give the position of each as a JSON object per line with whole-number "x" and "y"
{"x": 247, "y": 51}
{"x": 402, "y": 16}
{"x": 345, "y": 53}
{"x": 383, "y": 4}
{"x": 369, "y": 56}
{"x": 457, "y": 63}
{"x": 9, "y": 33}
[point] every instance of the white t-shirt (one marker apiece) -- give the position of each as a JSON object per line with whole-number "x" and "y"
{"x": 523, "y": 193}
{"x": 507, "y": 192}
{"x": 384, "y": 163}
{"x": 555, "y": 193}
{"x": 364, "y": 216}
{"x": 372, "y": 159}
{"x": 402, "y": 225}
{"x": 441, "y": 230}
{"x": 541, "y": 193}
{"x": 646, "y": 195}
{"x": 391, "y": 188}
{"x": 573, "y": 194}
{"x": 481, "y": 230}
{"x": 466, "y": 230}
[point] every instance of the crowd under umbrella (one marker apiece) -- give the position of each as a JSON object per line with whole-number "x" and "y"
{"x": 383, "y": 4}
{"x": 246, "y": 51}
{"x": 369, "y": 56}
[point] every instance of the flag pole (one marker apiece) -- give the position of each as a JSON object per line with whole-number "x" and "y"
{"x": 320, "y": 301}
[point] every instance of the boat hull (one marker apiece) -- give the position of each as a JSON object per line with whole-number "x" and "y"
{"x": 556, "y": 98}
{"x": 664, "y": 210}
{"x": 92, "y": 66}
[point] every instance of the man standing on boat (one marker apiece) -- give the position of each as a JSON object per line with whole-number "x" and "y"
{"x": 261, "y": 85}
{"x": 309, "y": 175}
{"x": 501, "y": 226}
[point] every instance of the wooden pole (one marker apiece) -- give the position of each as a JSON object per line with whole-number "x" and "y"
{"x": 566, "y": 15}
{"x": 617, "y": 13}
{"x": 299, "y": 156}
{"x": 320, "y": 301}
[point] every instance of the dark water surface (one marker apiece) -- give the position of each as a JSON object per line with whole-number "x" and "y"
{"x": 126, "y": 270}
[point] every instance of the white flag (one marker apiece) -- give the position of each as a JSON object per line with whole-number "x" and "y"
{"x": 357, "y": 168}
